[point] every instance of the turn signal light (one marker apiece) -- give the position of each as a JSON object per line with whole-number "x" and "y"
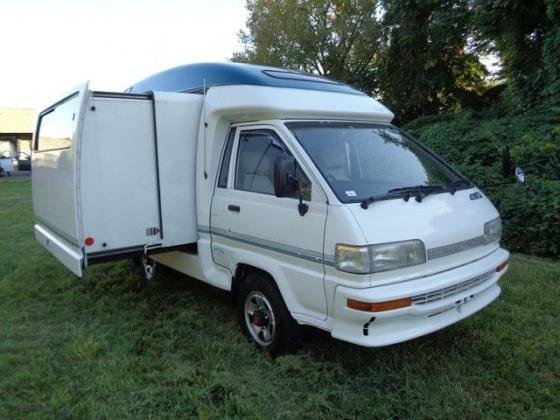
{"x": 502, "y": 266}
{"x": 378, "y": 306}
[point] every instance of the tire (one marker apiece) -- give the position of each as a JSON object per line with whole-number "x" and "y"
{"x": 270, "y": 325}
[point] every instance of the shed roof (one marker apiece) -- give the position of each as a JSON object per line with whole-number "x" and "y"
{"x": 17, "y": 120}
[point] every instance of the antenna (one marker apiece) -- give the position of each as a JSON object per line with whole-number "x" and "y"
{"x": 205, "y": 126}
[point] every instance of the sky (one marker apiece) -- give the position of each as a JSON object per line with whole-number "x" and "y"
{"x": 50, "y": 46}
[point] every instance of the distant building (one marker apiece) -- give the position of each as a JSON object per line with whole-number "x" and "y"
{"x": 16, "y": 129}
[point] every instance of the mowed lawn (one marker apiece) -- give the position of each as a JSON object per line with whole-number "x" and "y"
{"x": 111, "y": 345}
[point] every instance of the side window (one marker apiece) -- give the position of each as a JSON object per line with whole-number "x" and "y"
{"x": 57, "y": 126}
{"x": 224, "y": 168}
{"x": 257, "y": 151}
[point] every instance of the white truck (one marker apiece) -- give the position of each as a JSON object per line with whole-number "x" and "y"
{"x": 292, "y": 191}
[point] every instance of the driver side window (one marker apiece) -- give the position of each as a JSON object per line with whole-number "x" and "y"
{"x": 257, "y": 152}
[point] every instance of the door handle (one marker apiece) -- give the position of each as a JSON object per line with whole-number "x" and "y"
{"x": 236, "y": 209}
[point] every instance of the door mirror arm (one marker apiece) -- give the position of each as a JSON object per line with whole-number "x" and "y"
{"x": 302, "y": 207}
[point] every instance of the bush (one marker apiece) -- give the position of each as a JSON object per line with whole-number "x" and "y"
{"x": 531, "y": 215}
{"x": 474, "y": 143}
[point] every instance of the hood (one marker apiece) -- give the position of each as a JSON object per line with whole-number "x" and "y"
{"x": 455, "y": 222}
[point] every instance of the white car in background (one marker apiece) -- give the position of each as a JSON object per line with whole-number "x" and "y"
{"x": 6, "y": 164}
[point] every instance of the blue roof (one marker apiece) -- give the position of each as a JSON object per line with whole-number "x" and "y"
{"x": 193, "y": 78}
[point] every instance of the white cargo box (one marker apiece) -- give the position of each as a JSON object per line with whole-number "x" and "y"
{"x": 114, "y": 175}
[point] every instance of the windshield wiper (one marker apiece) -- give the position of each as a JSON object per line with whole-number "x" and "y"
{"x": 416, "y": 188}
{"x": 419, "y": 192}
{"x": 386, "y": 196}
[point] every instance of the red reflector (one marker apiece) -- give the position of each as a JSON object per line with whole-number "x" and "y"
{"x": 502, "y": 266}
{"x": 378, "y": 306}
{"x": 89, "y": 241}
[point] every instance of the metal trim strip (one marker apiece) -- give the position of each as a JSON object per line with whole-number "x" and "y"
{"x": 454, "y": 248}
{"x": 292, "y": 251}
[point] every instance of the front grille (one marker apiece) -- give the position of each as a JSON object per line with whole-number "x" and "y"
{"x": 451, "y": 290}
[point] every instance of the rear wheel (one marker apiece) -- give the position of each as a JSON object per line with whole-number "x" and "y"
{"x": 264, "y": 317}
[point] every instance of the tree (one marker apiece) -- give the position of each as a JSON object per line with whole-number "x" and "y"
{"x": 413, "y": 54}
{"x": 427, "y": 66}
{"x": 339, "y": 39}
{"x": 527, "y": 37}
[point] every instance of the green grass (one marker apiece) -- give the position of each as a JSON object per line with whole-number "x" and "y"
{"x": 110, "y": 345}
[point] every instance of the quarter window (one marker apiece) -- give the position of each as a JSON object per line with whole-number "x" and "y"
{"x": 224, "y": 169}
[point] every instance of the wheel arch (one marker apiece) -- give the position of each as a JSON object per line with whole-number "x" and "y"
{"x": 241, "y": 272}
{"x": 280, "y": 272}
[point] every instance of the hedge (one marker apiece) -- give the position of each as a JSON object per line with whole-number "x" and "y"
{"x": 474, "y": 143}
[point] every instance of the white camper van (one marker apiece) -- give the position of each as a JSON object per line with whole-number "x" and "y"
{"x": 292, "y": 191}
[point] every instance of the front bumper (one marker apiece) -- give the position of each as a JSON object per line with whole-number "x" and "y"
{"x": 438, "y": 300}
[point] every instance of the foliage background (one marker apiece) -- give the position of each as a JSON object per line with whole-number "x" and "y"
{"x": 474, "y": 143}
{"x": 423, "y": 59}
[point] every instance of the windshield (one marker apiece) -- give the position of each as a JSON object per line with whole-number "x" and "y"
{"x": 361, "y": 160}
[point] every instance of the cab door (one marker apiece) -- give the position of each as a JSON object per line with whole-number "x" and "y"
{"x": 249, "y": 224}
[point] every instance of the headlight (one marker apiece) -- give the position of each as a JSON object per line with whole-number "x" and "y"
{"x": 493, "y": 230}
{"x": 395, "y": 255}
{"x": 353, "y": 259}
{"x": 381, "y": 257}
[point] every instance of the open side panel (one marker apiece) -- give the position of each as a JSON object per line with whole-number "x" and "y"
{"x": 114, "y": 176}
{"x": 119, "y": 176}
{"x": 54, "y": 176}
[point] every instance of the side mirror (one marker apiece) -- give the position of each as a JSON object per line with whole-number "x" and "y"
{"x": 285, "y": 181}
{"x": 284, "y": 176}
{"x": 520, "y": 175}
{"x": 510, "y": 168}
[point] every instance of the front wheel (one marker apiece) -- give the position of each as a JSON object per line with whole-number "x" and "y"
{"x": 264, "y": 317}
